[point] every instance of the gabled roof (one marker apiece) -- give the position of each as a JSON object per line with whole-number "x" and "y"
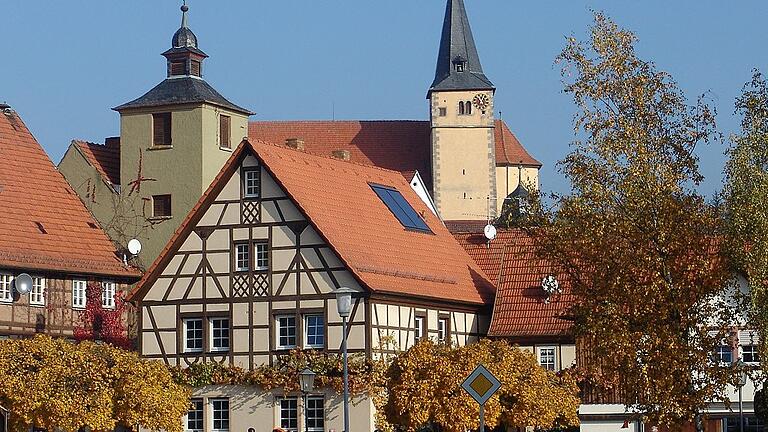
{"x": 104, "y": 157}
{"x": 181, "y": 90}
{"x": 457, "y": 44}
{"x": 399, "y": 145}
{"x": 337, "y": 199}
{"x": 521, "y": 308}
{"x": 45, "y": 226}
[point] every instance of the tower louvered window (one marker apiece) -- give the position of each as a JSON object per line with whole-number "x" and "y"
{"x": 225, "y": 131}
{"x": 194, "y": 68}
{"x": 177, "y": 68}
{"x": 161, "y": 129}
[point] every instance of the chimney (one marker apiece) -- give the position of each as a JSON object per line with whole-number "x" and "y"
{"x": 295, "y": 143}
{"x": 341, "y": 154}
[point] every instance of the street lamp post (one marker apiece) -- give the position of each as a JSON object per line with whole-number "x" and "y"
{"x": 307, "y": 383}
{"x": 344, "y": 307}
{"x": 742, "y": 382}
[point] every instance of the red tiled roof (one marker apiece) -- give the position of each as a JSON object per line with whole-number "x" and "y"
{"x": 395, "y": 145}
{"x": 104, "y": 157}
{"x": 520, "y": 308}
{"x": 337, "y": 199}
{"x": 44, "y": 225}
{"x": 399, "y": 145}
{"x": 509, "y": 151}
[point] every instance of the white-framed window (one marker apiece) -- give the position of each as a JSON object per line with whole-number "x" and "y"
{"x": 219, "y": 334}
{"x": 37, "y": 295}
{"x": 195, "y": 416}
{"x": 749, "y": 354}
{"x": 251, "y": 186}
{"x": 314, "y": 330}
{"x": 6, "y": 288}
{"x": 418, "y": 328}
{"x": 262, "y": 256}
{"x": 193, "y": 335}
{"x": 315, "y": 414}
{"x": 242, "y": 257}
{"x": 220, "y": 416}
{"x": 289, "y": 414}
{"x": 443, "y": 325}
{"x": 547, "y": 358}
{"x": 108, "y": 294}
{"x": 724, "y": 354}
{"x": 286, "y": 332}
{"x": 79, "y": 298}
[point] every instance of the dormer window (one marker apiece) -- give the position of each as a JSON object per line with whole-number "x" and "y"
{"x": 460, "y": 64}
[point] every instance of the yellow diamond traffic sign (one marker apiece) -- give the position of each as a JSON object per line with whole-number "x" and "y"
{"x": 481, "y": 384}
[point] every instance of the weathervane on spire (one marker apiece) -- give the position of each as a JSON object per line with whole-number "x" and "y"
{"x": 184, "y": 9}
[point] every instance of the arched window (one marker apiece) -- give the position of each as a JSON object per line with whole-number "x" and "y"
{"x": 468, "y": 107}
{"x": 461, "y": 108}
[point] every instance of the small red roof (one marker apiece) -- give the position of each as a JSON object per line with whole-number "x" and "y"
{"x": 521, "y": 308}
{"x": 45, "y": 226}
{"x": 104, "y": 157}
{"x": 399, "y": 145}
{"x": 337, "y": 198}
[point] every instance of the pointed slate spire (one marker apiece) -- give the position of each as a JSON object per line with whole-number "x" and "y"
{"x": 458, "y": 64}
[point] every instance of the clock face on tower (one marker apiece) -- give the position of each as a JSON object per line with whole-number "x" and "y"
{"x": 481, "y": 101}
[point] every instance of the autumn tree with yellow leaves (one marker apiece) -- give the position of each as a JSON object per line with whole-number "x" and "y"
{"x": 639, "y": 244}
{"x": 424, "y": 388}
{"x": 56, "y": 384}
{"x": 745, "y": 199}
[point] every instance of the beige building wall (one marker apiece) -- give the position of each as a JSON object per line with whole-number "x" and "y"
{"x": 507, "y": 179}
{"x": 463, "y": 157}
{"x": 565, "y": 354}
{"x": 252, "y": 407}
{"x": 394, "y": 326}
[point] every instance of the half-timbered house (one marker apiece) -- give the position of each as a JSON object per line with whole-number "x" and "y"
{"x": 47, "y": 233}
{"x": 251, "y": 273}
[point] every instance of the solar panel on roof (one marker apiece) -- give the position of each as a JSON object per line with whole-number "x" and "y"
{"x": 399, "y": 207}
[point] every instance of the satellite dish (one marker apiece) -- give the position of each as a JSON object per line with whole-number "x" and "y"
{"x": 490, "y": 232}
{"x": 23, "y": 283}
{"x": 134, "y": 246}
{"x": 550, "y": 285}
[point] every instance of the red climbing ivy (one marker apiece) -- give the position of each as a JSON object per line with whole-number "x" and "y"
{"x": 103, "y": 324}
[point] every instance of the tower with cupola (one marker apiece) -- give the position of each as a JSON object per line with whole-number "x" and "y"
{"x": 174, "y": 140}
{"x": 461, "y": 117}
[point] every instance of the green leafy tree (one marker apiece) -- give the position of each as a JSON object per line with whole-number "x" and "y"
{"x": 745, "y": 199}
{"x": 634, "y": 237}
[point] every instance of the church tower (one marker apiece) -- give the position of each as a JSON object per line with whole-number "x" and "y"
{"x": 461, "y": 116}
{"x": 174, "y": 140}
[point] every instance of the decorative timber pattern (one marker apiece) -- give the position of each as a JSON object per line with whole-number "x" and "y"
{"x": 288, "y": 274}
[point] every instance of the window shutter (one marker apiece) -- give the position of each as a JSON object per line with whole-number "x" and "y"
{"x": 224, "y": 131}
{"x": 161, "y": 129}
{"x": 161, "y": 206}
{"x": 195, "y": 68}
{"x": 177, "y": 68}
{"x": 747, "y": 337}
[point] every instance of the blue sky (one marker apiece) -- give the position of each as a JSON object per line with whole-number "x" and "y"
{"x": 65, "y": 64}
